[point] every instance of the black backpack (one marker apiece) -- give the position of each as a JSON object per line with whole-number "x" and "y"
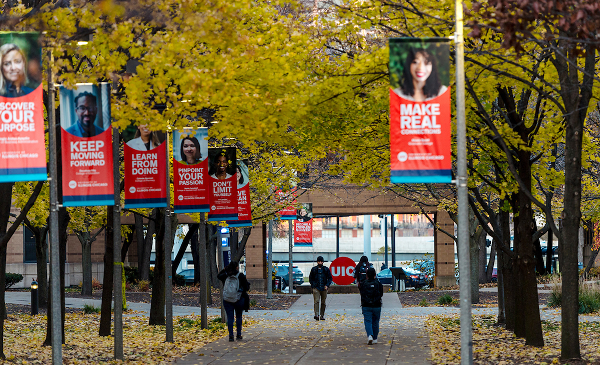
{"x": 362, "y": 272}
{"x": 370, "y": 293}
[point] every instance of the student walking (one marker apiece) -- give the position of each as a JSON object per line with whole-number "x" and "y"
{"x": 320, "y": 279}
{"x": 360, "y": 272}
{"x": 371, "y": 292}
{"x": 235, "y": 296}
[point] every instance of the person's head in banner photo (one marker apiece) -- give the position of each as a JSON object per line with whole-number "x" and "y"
{"x": 304, "y": 212}
{"x": 419, "y": 71}
{"x": 87, "y": 109}
{"x": 20, "y": 64}
{"x": 190, "y": 146}
{"x": 141, "y": 138}
{"x": 222, "y": 163}
{"x": 241, "y": 174}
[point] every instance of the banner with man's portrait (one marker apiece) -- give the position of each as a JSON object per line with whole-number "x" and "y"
{"x": 145, "y": 154}
{"x": 243, "y": 196}
{"x": 303, "y": 225}
{"x": 190, "y": 170}
{"x": 86, "y": 145}
{"x": 420, "y": 123}
{"x": 22, "y": 143}
{"x": 222, "y": 184}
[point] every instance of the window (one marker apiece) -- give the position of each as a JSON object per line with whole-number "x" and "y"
{"x": 28, "y": 245}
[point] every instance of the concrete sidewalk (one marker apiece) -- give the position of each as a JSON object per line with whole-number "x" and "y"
{"x": 294, "y": 337}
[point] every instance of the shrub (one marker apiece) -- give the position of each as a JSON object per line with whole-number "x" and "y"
{"x": 131, "y": 274}
{"x": 252, "y": 302}
{"x": 423, "y": 303}
{"x": 12, "y": 279}
{"x": 179, "y": 280}
{"x": 445, "y": 299}
{"x": 96, "y": 284}
{"x": 589, "y": 297}
{"x": 143, "y": 285}
{"x": 88, "y": 308}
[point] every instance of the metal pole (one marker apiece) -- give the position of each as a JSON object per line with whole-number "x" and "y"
{"x": 270, "y": 262}
{"x": 203, "y": 274}
{"x": 117, "y": 262}
{"x": 221, "y": 266}
{"x": 337, "y": 237}
{"x": 291, "y": 264}
{"x": 55, "y": 314}
{"x": 385, "y": 241}
{"x": 393, "y": 236}
{"x": 168, "y": 249}
{"x": 466, "y": 343}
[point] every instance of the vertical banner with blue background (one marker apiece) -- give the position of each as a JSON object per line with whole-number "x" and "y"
{"x": 420, "y": 122}
{"x": 86, "y": 145}
{"x": 22, "y": 145}
{"x": 190, "y": 171}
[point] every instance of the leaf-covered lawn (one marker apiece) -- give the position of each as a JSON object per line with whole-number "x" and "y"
{"x": 495, "y": 345}
{"x": 142, "y": 344}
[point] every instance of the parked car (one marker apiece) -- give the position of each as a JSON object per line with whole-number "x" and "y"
{"x": 188, "y": 275}
{"x": 495, "y": 275}
{"x": 282, "y": 271}
{"x": 414, "y": 278}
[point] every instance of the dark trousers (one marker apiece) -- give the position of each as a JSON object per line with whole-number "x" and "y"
{"x": 238, "y": 308}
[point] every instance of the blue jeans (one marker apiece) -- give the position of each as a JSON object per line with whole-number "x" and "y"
{"x": 372, "y": 316}
{"x": 238, "y": 308}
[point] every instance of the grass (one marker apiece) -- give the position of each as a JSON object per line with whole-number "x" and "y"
{"x": 446, "y": 299}
{"x": 589, "y": 296}
{"x": 88, "y": 309}
{"x": 423, "y": 303}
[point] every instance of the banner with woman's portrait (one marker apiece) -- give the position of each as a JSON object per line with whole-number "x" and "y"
{"x": 420, "y": 124}
{"x": 243, "y": 196}
{"x": 86, "y": 145}
{"x": 22, "y": 144}
{"x": 303, "y": 225}
{"x": 145, "y": 153}
{"x": 190, "y": 170}
{"x": 222, "y": 184}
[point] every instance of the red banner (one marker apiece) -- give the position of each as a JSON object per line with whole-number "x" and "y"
{"x": 22, "y": 147}
{"x": 87, "y": 169}
{"x": 145, "y": 176}
{"x": 223, "y": 185}
{"x": 243, "y": 194}
{"x": 289, "y": 212}
{"x": 86, "y": 140}
{"x": 303, "y": 233}
{"x": 190, "y": 171}
{"x": 420, "y": 123}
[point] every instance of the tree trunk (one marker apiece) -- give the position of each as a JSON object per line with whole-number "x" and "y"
{"x": 5, "y": 203}
{"x": 153, "y": 223}
{"x": 482, "y": 269}
{"x": 86, "y": 263}
{"x": 508, "y": 285}
{"x": 41, "y": 255}
{"x": 490, "y": 266}
{"x": 157, "y": 302}
{"x": 141, "y": 240}
{"x": 125, "y": 247}
{"x": 212, "y": 259}
{"x": 549, "y": 253}
{"x": 474, "y": 238}
{"x": 195, "y": 255}
{"x": 193, "y": 229}
{"x": 241, "y": 247}
{"x": 107, "y": 281}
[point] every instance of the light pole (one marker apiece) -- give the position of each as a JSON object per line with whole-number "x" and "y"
{"x": 34, "y": 297}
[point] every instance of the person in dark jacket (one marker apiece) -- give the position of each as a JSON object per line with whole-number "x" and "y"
{"x": 320, "y": 279}
{"x": 371, "y": 292}
{"x": 360, "y": 271}
{"x": 243, "y": 303}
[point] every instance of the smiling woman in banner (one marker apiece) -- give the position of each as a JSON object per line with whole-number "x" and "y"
{"x": 144, "y": 139}
{"x": 420, "y": 79}
{"x": 13, "y": 77}
{"x": 190, "y": 151}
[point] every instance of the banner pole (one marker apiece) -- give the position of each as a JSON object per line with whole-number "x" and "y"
{"x": 168, "y": 249}
{"x": 117, "y": 266}
{"x": 270, "y": 262}
{"x": 291, "y": 264}
{"x": 466, "y": 343}
{"x": 55, "y": 312}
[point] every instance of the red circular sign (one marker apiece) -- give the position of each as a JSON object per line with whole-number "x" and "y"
{"x": 342, "y": 270}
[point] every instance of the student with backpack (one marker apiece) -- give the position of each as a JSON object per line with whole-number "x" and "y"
{"x": 235, "y": 296}
{"x": 360, "y": 272}
{"x": 371, "y": 292}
